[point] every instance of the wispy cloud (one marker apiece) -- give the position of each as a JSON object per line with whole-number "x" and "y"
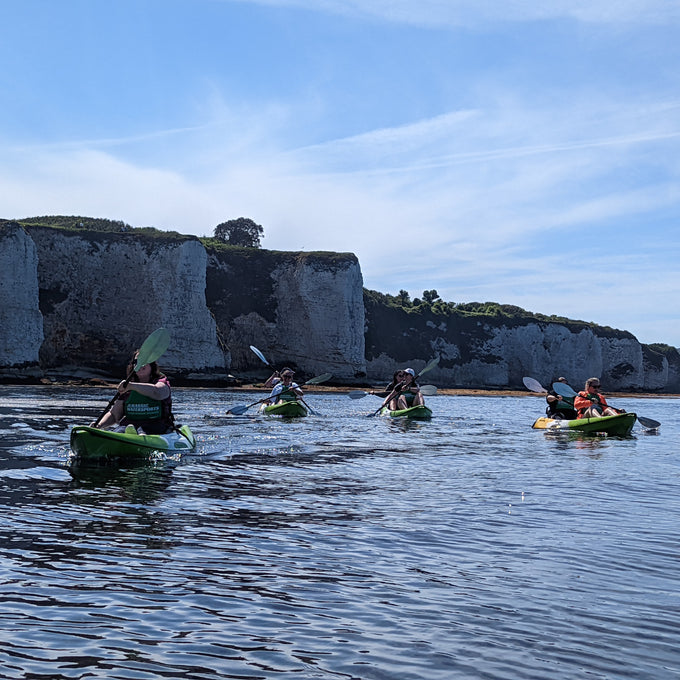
{"x": 480, "y": 204}
{"x": 458, "y": 13}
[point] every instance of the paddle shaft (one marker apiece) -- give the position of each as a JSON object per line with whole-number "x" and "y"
{"x": 425, "y": 390}
{"x": 113, "y": 399}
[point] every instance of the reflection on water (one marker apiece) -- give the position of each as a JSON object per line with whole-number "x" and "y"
{"x": 340, "y": 546}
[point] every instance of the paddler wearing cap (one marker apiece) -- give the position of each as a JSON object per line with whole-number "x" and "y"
{"x": 559, "y": 407}
{"x": 286, "y": 389}
{"x": 405, "y": 394}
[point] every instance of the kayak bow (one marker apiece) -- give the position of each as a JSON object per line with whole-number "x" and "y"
{"x": 287, "y": 409}
{"x": 93, "y": 444}
{"x": 415, "y": 412}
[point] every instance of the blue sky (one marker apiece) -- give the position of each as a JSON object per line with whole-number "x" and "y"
{"x": 519, "y": 152}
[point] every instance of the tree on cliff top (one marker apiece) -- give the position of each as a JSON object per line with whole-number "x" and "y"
{"x": 240, "y": 232}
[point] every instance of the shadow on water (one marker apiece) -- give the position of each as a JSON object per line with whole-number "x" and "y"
{"x": 143, "y": 482}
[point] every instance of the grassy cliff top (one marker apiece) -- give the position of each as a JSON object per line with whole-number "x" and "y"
{"x": 79, "y": 224}
{"x": 494, "y": 312}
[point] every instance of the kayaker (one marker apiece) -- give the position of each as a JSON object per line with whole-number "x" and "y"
{"x": 405, "y": 393}
{"x": 410, "y": 391}
{"x": 591, "y": 404}
{"x": 560, "y": 407}
{"x": 286, "y": 389}
{"x": 392, "y": 391}
{"x": 144, "y": 404}
{"x": 397, "y": 378}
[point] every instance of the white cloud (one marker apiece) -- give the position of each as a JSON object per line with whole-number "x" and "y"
{"x": 485, "y": 204}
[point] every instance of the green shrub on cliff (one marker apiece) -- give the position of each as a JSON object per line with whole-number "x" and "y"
{"x": 239, "y": 232}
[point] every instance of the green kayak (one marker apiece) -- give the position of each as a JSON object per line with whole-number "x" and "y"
{"x": 287, "y": 409}
{"x": 416, "y": 412}
{"x": 93, "y": 444}
{"x": 619, "y": 425}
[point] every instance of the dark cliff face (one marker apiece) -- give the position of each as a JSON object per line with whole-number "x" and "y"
{"x": 239, "y": 281}
{"x": 485, "y": 344}
{"x": 654, "y": 355}
{"x": 401, "y": 334}
{"x": 299, "y": 309}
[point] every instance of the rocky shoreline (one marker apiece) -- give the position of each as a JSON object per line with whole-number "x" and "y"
{"x": 239, "y": 386}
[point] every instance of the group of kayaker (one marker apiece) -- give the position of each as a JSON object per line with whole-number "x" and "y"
{"x": 403, "y": 392}
{"x": 144, "y": 402}
{"x": 589, "y": 403}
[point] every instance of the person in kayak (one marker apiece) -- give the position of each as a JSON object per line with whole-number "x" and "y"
{"x": 591, "y": 404}
{"x": 559, "y": 407}
{"x": 285, "y": 389}
{"x": 144, "y": 404}
{"x": 273, "y": 379}
{"x": 397, "y": 379}
{"x": 405, "y": 393}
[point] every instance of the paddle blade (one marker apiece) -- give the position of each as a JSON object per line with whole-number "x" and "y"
{"x": 428, "y": 390}
{"x": 533, "y": 385}
{"x": 153, "y": 347}
{"x": 649, "y": 423}
{"x": 319, "y": 379}
{"x": 259, "y": 354}
{"x": 429, "y": 366}
{"x": 357, "y": 394}
{"x": 238, "y": 410}
{"x": 563, "y": 390}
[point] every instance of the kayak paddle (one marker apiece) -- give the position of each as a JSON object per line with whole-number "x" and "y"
{"x": 240, "y": 409}
{"x": 566, "y": 391}
{"x": 533, "y": 385}
{"x": 151, "y": 350}
{"x": 427, "y": 390}
{"x": 259, "y": 354}
{"x": 649, "y": 423}
{"x": 431, "y": 364}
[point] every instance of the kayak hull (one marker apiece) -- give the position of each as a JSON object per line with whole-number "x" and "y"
{"x": 619, "y": 425}
{"x": 287, "y": 409}
{"x": 414, "y": 412}
{"x": 93, "y": 444}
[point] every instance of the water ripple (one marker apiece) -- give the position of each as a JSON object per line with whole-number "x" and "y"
{"x": 340, "y": 546}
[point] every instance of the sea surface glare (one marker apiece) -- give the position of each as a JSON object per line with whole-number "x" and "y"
{"x": 341, "y": 546}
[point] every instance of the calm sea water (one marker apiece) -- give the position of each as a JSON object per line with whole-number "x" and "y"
{"x": 340, "y": 546}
